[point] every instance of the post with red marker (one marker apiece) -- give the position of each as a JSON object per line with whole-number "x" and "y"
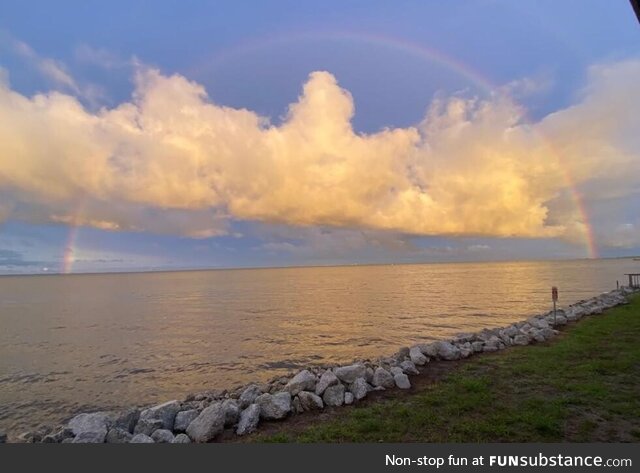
{"x": 554, "y": 296}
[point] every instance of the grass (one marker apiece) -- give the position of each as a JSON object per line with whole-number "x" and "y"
{"x": 582, "y": 386}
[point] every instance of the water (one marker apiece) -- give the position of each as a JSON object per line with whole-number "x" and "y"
{"x": 77, "y": 342}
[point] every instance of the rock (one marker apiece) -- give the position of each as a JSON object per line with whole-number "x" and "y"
{"x": 231, "y": 412}
{"x": 94, "y": 422}
{"x": 183, "y": 419}
{"x": 429, "y": 349}
{"x": 447, "y": 351}
{"x": 511, "y": 331}
{"x": 166, "y": 412}
{"x": 303, "y": 381}
{"x": 489, "y": 348}
{"x": 147, "y": 426}
{"x": 127, "y": 419}
{"x": 3, "y": 437}
{"x": 68, "y": 440}
{"x": 56, "y": 437}
{"x": 274, "y": 406}
{"x": 327, "y": 379}
{"x": 181, "y": 438}
{"x": 249, "y": 419}
{"x": 118, "y": 435}
{"x": 348, "y": 374}
{"x": 402, "y": 381}
{"x": 90, "y": 437}
{"x": 348, "y": 398}
{"x": 409, "y": 367}
{"x": 382, "y": 377}
{"x": 162, "y": 436}
{"x": 141, "y": 438}
{"x": 402, "y": 353}
{"x": 208, "y": 424}
{"x": 249, "y": 396}
{"x": 477, "y": 347}
{"x": 520, "y": 340}
{"x": 368, "y": 374}
{"x": 359, "y": 388}
{"x": 296, "y": 406}
{"x": 417, "y": 357}
{"x": 310, "y": 401}
{"x": 396, "y": 370}
{"x": 334, "y": 395}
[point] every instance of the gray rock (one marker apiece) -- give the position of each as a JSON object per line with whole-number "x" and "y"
{"x": 249, "y": 419}
{"x": 147, "y": 426}
{"x": 127, "y": 419}
{"x": 327, "y": 379}
{"x": 231, "y": 412}
{"x": 310, "y": 401}
{"x": 348, "y": 398}
{"x": 396, "y": 370}
{"x": 249, "y": 396}
{"x": 94, "y": 422}
{"x": 162, "y": 436}
{"x": 184, "y": 418}
{"x": 296, "y": 406}
{"x": 166, "y": 412}
{"x": 274, "y": 406}
{"x": 118, "y": 435}
{"x": 369, "y": 374}
{"x": 141, "y": 438}
{"x": 382, "y": 377}
{"x": 402, "y": 381}
{"x": 477, "y": 347}
{"x": 303, "y": 381}
{"x": 334, "y": 395}
{"x": 402, "y": 353}
{"x": 521, "y": 340}
{"x": 3, "y": 437}
{"x": 68, "y": 440}
{"x": 417, "y": 357}
{"x": 208, "y": 424}
{"x": 409, "y": 367}
{"x": 511, "y": 331}
{"x": 429, "y": 349}
{"x": 181, "y": 438}
{"x": 56, "y": 437}
{"x": 447, "y": 351}
{"x": 90, "y": 437}
{"x": 348, "y": 374}
{"x": 359, "y": 388}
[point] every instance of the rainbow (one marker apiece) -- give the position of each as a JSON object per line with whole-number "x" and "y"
{"x": 418, "y": 50}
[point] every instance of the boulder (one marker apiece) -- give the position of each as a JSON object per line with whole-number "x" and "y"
{"x": 382, "y": 377}
{"x": 147, "y": 426}
{"x": 3, "y": 437}
{"x": 94, "y": 422}
{"x": 303, "y": 381}
{"x": 396, "y": 370}
{"x": 118, "y": 435}
{"x": 166, "y": 412}
{"x": 417, "y": 357}
{"x": 327, "y": 379}
{"x": 402, "y": 353}
{"x": 359, "y": 388}
{"x": 477, "y": 347}
{"x": 127, "y": 419}
{"x": 409, "y": 367}
{"x": 56, "y": 437}
{"x": 348, "y": 374}
{"x": 368, "y": 376}
{"x": 181, "y": 438}
{"x": 249, "y": 419}
{"x": 310, "y": 401}
{"x": 208, "y": 424}
{"x": 274, "y": 406}
{"x": 90, "y": 437}
{"x": 296, "y": 406}
{"x": 521, "y": 340}
{"x": 402, "y": 381}
{"x": 183, "y": 419}
{"x": 231, "y": 412}
{"x": 447, "y": 351}
{"x": 249, "y": 396}
{"x": 334, "y": 395}
{"x": 162, "y": 436}
{"x": 429, "y": 349}
{"x": 141, "y": 438}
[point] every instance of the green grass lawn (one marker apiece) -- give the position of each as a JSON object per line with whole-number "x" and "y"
{"x": 582, "y": 386}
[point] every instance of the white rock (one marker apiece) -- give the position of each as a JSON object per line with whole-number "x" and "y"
{"x": 334, "y": 395}
{"x": 348, "y": 374}
{"x": 94, "y": 422}
{"x": 359, "y": 388}
{"x": 249, "y": 419}
{"x": 208, "y": 424}
{"x": 274, "y": 406}
{"x": 303, "y": 381}
{"x": 402, "y": 381}
{"x": 310, "y": 401}
{"x": 327, "y": 379}
{"x": 348, "y": 398}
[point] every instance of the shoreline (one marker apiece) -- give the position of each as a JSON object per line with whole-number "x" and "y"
{"x": 223, "y": 414}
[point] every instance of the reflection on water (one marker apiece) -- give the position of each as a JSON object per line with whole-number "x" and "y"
{"x": 99, "y": 341}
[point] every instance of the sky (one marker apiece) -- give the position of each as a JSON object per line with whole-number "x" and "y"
{"x": 190, "y": 134}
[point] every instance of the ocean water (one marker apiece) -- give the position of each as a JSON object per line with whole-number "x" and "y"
{"x": 70, "y": 343}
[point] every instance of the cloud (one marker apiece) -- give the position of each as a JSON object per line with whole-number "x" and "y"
{"x": 173, "y": 161}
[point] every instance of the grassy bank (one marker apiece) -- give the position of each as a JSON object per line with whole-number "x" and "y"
{"x": 582, "y": 386}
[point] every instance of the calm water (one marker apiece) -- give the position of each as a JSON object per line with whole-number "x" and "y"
{"x": 75, "y": 342}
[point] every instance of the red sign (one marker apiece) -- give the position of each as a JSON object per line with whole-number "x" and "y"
{"x": 554, "y": 293}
